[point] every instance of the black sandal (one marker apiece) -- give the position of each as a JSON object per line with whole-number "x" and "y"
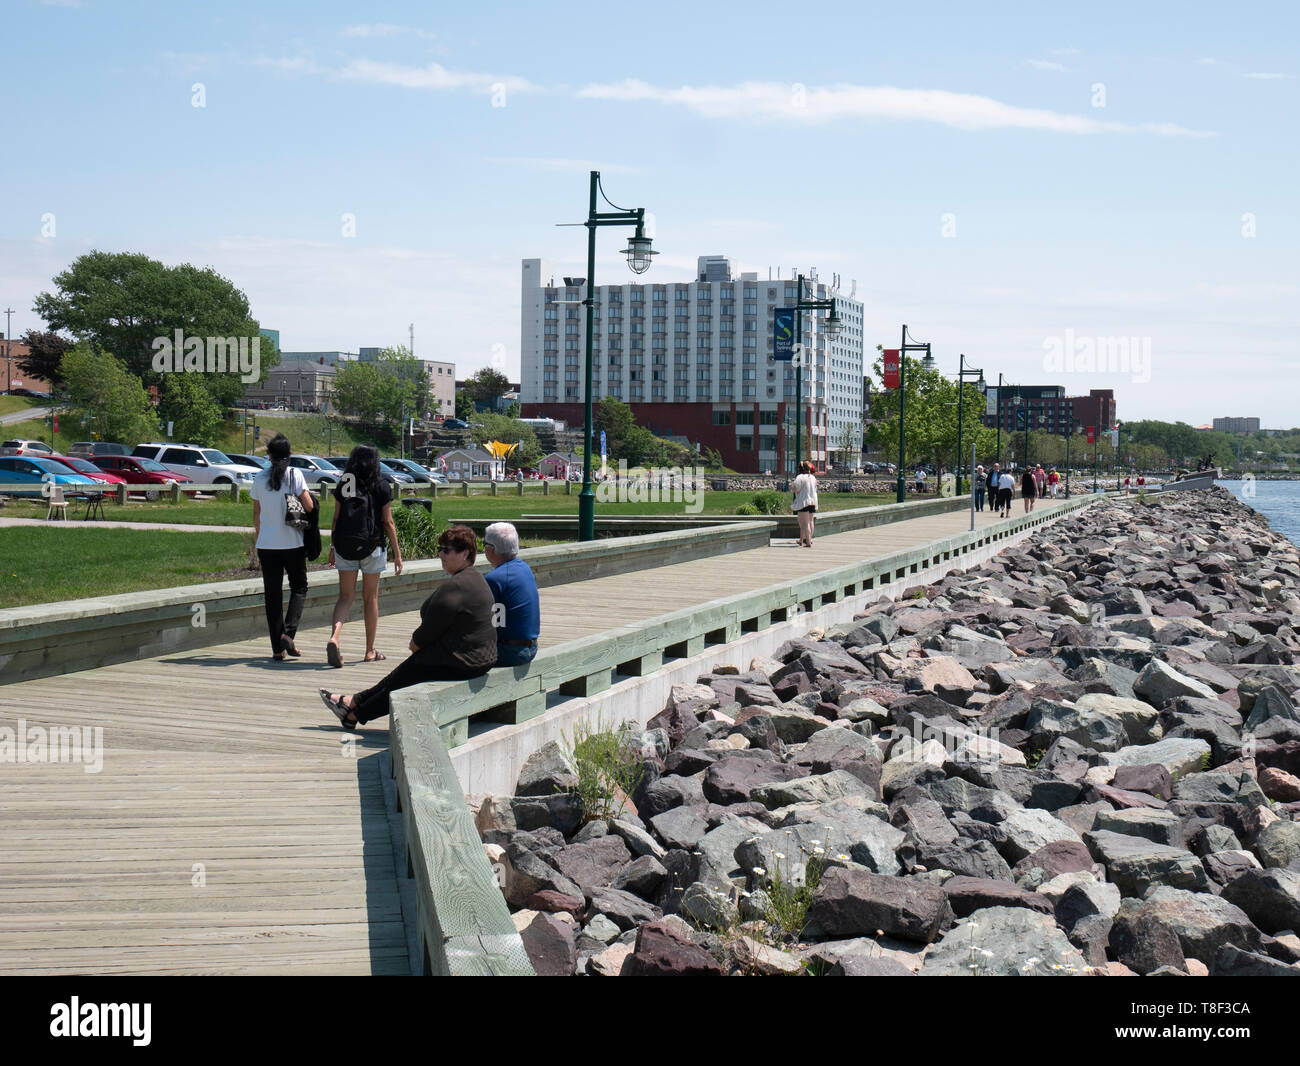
{"x": 286, "y": 642}
{"x": 340, "y": 712}
{"x": 333, "y": 654}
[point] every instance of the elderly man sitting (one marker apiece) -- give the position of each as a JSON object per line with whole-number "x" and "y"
{"x": 519, "y": 614}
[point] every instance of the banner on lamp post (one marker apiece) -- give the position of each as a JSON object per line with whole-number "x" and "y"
{"x": 1092, "y": 434}
{"x": 892, "y": 367}
{"x": 783, "y": 334}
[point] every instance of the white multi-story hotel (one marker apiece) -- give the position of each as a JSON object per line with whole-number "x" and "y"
{"x": 694, "y": 359}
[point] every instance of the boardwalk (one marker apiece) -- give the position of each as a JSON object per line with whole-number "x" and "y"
{"x": 233, "y": 828}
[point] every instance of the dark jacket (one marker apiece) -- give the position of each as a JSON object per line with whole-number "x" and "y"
{"x": 456, "y": 625}
{"x": 992, "y": 481}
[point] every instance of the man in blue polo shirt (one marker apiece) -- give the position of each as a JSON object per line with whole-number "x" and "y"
{"x": 514, "y": 588}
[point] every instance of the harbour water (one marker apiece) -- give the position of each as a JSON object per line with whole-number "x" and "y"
{"x": 1278, "y": 501}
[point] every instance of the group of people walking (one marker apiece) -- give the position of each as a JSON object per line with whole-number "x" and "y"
{"x": 999, "y": 486}
{"x": 470, "y": 623}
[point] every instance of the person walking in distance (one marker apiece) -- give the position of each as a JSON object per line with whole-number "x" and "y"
{"x": 1028, "y": 489}
{"x": 363, "y": 516}
{"x": 455, "y": 641}
{"x": 280, "y": 549}
{"x": 995, "y": 486}
{"x": 517, "y": 612}
{"x": 978, "y": 486}
{"x": 1006, "y": 488}
{"x": 805, "y": 502}
{"x": 1053, "y": 482}
{"x": 1040, "y": 481}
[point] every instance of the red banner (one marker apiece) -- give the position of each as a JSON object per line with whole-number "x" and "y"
{"x": 56, "y": 423}
{"x": 891, "y": 367}
{"x": 1092, "y": 434}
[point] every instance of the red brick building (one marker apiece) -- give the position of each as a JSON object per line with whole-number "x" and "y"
{"x": 12, "y": 377}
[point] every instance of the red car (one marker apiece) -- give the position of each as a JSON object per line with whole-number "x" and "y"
{"x": 135, "y": 470}
{"x": 85, "y": 466}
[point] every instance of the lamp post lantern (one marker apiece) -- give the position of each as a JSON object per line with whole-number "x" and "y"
{"x": 926, "y": 364}
{"x": 833, "y": 325}
{"x": 639, "y": 253}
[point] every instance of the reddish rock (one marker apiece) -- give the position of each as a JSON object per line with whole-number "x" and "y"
{"x": 551, "y": 944}
{"x": 1152, "y": 779}
{"x": 663, "y": 952}
{"x": 1279, "y": 785}
{"x": 969, "y": 894}
{"x": 553, "y": 902}
{"x": 1058, "y": 857}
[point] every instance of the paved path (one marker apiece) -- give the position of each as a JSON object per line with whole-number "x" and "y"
{"x": 222, "y": 767}
{"x": 23, "y": 414}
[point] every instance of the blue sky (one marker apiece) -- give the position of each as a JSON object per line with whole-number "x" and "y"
{"x": 845, "y": 137}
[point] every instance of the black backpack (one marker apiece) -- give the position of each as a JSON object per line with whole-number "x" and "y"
{"x": 356, "y": 533}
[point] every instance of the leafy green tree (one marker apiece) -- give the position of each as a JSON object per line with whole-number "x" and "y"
{"x": 384, "y": 390}
{"x": 615, "y": 418}
{"x": 45, "y": 355}
{"x": 930, "y": 428}
{"x": 486, "y": 386}
{"x": 464, "y": 406}
{"x": 185, "y": 401}
{"x": 113, "y": 398}
{"x": 121, "y": 302}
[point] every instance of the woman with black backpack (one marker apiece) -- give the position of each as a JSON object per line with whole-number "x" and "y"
{"x": 279, "y": 543}
{"x": 362, "y": 516}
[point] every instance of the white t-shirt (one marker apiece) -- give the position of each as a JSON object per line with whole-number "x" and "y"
{"x": 1006, "y": 481}
{"x": 274, "y": 533}
{"x": 805, "y": 492}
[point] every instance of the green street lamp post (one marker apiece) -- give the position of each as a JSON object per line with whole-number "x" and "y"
{"x": 962, "y": 373}
{"x": 832, "y": 329}
{"x": 638, "y": 254}
{"x": 926, "y": 364}
{"x": 998, "y": 408}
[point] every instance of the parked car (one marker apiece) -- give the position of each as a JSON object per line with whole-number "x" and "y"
{"x": 419, "y": 474}
{"x": 261, "y": 462}
{"x": 138, "y": 471}
{"x": 206, "y": 466}
{"x": 395, "y": 478}
{"x": 89, "y": 449}
{"x": 316, "y": 471}
{"x": 35, "y": 470}
{"x": 25, "y": 447}
{"x": 84, "y": 466}
{"x": 454, "y": 423}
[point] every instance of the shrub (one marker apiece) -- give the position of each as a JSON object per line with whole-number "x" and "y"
{"x": 417, "y": 532}
{"x": 770, "y": 502}
{"x": 747, "y": 508}
{"x": 609, "y": 768}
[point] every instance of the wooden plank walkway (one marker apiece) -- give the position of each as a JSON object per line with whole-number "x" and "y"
{"x": 233, "y": 827}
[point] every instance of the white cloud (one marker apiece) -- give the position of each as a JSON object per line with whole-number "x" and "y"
{"x": 387, "y": 29}
{"x": 432, "y": 76}
{"x": 558, "y": 166}
{"x": 1269, "y": 77}
{"x": 1046, "y": 64}
{"x": 768, "y": 101}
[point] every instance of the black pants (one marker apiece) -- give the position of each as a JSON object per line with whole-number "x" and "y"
{"x": 373, "y": 702}
{"x": 275, "y": 563}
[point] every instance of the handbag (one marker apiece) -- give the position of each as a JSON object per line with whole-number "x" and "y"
{"x": 295, "y": 516}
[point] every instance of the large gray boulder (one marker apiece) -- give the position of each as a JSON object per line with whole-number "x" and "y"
{"x": 1140, "y": 721}
{"x": 819, "y": 788}
{"x": 1029, "y": 829}
{"x": 1159, "y": 682}
{"x": 1136, "y": 864}
{"x": 548, "y": 770}
{"x": 1004, "y": 942}
{"x": 1278, "y": 844}
{"x": 1178, "y": 755}
{"x": 1160, "y": 827}
{"x": 1203, "y": 922}
{"x": 850, "y": 902}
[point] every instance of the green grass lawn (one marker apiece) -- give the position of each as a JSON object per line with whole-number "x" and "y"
{"x": 223, "y": 512}
{"x": 43, "y": 564}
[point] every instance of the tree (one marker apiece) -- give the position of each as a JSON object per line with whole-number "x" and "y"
{"x": 184, "y": 401}
{"x": 123, "y": 302}
{"x": 45, "y": 356}
{"x": 615, "y": 418}
{"x": 930, "y": 423}
{"x": 104, "y": 391}
{"x": 849, "y": 443}
{"x": 464, "y": 406}
{"x": 386, "y": 389}
{"x": 486, "y": 386}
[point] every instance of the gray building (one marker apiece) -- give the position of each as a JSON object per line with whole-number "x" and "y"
{"x": 1237, "y": 425}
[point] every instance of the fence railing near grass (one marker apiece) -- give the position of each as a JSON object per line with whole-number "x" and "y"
{"x": 173, "y": 490}
{"x": 53, "y": 638}
{"x": 463, "y": 922}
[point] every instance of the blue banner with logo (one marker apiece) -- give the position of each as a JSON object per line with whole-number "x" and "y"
{"x": 783, "y": 334}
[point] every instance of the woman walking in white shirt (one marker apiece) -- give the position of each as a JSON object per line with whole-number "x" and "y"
{"x": 805, "y": 503}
